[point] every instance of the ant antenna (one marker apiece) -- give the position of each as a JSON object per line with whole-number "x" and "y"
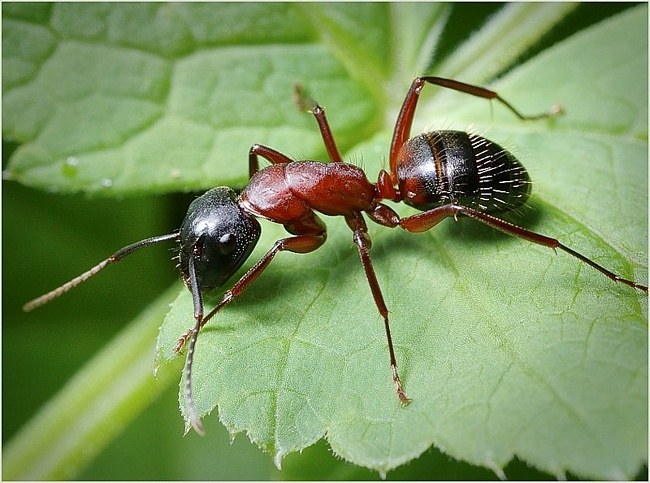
{"x": 198, "y": 315}
{"x": 115, "y": 257}
{"x": 193, "y": 415}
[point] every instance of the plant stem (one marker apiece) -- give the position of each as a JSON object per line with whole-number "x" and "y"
{"x": 95, "y": 405}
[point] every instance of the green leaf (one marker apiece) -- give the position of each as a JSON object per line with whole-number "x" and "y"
{"x": 176, "y": 111}
{"x": 506, "y": 349}
{"x": 547, "y": 363}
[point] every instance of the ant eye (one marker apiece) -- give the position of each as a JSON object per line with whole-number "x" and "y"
{"x": 227, "y": 243}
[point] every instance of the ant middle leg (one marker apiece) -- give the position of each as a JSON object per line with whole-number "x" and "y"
{"x": 363, "y": 243}
{"x": 296, "y": 244}
{"x": 428, "y": 219}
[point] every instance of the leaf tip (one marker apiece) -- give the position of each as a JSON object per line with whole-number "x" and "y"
{"x": 278, "y": 456}
{"x": 7, "y": 176}
{"x": 277, "y": 460}
{"x": 498, "y": 470}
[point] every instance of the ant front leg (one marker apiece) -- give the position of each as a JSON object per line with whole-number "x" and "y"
{"x": 363, "y": 242}
{"x": 270, "y": 154}
{"x": 402, "y": 130}
{"x": 428, "y": 219}
{"x": 297, "y": 244}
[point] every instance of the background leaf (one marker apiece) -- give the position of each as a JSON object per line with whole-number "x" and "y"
{"x": 139, "y": 120}
{"x": 547, "y": 364}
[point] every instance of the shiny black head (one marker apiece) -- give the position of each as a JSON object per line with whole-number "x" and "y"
{"x": 219, "y": 235}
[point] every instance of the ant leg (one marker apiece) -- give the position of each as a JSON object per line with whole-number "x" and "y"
{"x": 276, "y": 157}
{"x": 270, "y": 154}
{"x": 426, "y": 220}
{"x": 488, "y": 94}
{"x": 402, "y": 130}
{"x": 115, "y": 257}
{"x": 297, "y": 244}
{"x": 363, "y": 242}
{"x": 311, "y": 234}
{"x": 310, "y": 105}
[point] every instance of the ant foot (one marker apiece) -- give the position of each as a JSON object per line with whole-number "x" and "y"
{"x": 182, "y": 340}
{"x": 403, "y": 398}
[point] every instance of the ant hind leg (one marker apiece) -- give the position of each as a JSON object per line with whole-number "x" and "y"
{"x": 428, "y": 219}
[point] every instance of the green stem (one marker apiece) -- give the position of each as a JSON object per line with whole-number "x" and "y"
{"x": 95, "y": 405}
{"x": 503, "y": 39}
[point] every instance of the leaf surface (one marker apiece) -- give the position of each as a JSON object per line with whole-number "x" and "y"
{"x": 174, "y": 108}
{"x": 506, "y": 348}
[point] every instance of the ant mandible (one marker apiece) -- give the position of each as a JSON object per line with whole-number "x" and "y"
{"x": 441, "y": 173}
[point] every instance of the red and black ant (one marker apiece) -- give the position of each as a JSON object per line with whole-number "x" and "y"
{"x": 440, "y": 173}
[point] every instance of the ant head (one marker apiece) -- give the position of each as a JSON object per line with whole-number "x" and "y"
{"x": 218, "y": 235}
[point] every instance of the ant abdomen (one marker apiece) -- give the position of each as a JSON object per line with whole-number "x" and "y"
{"x": 455, "y": 167}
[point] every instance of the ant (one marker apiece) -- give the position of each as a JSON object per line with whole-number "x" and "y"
{"x": 441, "y": 173}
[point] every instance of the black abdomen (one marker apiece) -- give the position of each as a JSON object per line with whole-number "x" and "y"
{"x": 443, "y": 167}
